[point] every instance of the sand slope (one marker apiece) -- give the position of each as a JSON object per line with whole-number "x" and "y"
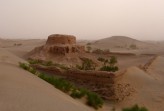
{"x": 120, "y": 42}
{"x": 22, "y": 91}
{"x": 147, "y": 90}
{"x": 156, "y": 68}
{"x": 21, "y": 47}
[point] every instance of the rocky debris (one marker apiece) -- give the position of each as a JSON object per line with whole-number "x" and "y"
{"x": 123, "y": 91}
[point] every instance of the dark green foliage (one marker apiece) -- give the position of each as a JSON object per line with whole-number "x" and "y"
{"x": 78, "y": 93}
{"x": 98, "y": 51}
{"x": 109, "y": 68}
{"x": 27, "y": 67}
{"x": 109, "y": 65}
{"x": 37, "y": 61}
{"x": 57, "y": 82}
{"x": 47, "y": 63}
{"x": 87, "y": 64}
{"x": 135, "y": 108}
{"x": 113, "y": 60}
{"x": 24, "y": 66}
{"x": 94, "y": 100}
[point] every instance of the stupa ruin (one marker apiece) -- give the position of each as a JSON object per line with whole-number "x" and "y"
{"x": 60, "y": 48}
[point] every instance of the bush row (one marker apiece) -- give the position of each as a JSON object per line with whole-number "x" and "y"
{"x": 93, "y": 99}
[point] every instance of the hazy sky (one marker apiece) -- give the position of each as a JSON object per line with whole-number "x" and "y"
{"x": 86, "y": 19}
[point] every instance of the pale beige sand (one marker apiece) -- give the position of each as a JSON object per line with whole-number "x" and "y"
{"x": 119, "y": 43}
{"x": 25, "y": 47}
{"x": 22, "y": 91}
{"x": 148, "y": 91}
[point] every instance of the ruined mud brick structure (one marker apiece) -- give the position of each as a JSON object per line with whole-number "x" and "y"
{"x": 63, "y": 44}
{"x": 59, "y": 48}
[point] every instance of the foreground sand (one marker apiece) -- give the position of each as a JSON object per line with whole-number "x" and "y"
{"x": 147, "y": 86}
{"x": 22, "y": 91}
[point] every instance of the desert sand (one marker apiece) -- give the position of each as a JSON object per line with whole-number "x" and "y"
{"x": 21, "y": 90}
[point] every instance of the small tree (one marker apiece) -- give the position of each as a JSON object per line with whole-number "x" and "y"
{"x": 109, "y": 65}
{"x": 87, "y": 64}
{"x": 113, "y": 61}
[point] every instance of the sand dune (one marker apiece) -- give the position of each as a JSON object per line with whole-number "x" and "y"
{"x": 120, "y": 42}
{"x": 156, "y": 68}
{"x": 146, "y": 89}
{"x": 21, "y": 47}
{"x": 22, "y": 91}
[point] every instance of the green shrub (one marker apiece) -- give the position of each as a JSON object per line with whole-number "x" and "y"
{"x": 24, "y": 66}
{"x": 109, "y": 68}
{"x": 109, "y": 65}
{"x": 27, "y": 67}
{"x": 87, "y": 64}
{"x": 63, "y": 85}
{"x": 135, "y": 108}
{"x": 78, "y": 93}
{"x": 32, "y": 70}
{"x": 94, "y": 100}
{"x": 59, "y": 83}
{"x": 113, "y": 61}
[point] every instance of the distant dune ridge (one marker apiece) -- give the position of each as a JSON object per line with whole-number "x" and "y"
{"x": 120, "y": 42}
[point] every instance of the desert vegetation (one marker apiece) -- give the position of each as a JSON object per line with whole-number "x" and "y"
{"x": 93, "y": 99}
{"x": 87, "y": 64}
{"x": 135, "y": 108}
{"x": 47, "y": 63}
{"x": 109, "y": 65}
{"x": 100, "y": 51}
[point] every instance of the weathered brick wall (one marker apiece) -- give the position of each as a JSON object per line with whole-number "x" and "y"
{"x": 61, "y": 39}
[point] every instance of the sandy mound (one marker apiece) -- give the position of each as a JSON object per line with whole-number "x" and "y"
{"x": 7, "y": 57}
{"x": 120, "y": 42}
{"x": 21, "y": 90}
{"x": 156, "y": 68}
{"x": 139, "y": 87}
